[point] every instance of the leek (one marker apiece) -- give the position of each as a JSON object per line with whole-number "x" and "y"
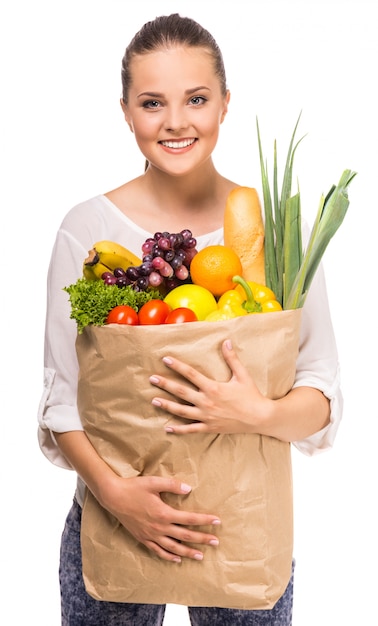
{"x": 289, "y": 269}
{"x": 330, "y": 216}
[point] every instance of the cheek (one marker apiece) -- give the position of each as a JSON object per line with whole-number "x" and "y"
{"x": 211, "y": 126}
{"x": 212, "y": 122}
{"x": 145, "y": 128}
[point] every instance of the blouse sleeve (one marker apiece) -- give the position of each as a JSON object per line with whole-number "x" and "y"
{"x": 318, "y": 364}
{"x": 57, "y": 410}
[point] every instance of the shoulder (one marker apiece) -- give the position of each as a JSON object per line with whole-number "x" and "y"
{"x": 94, "y": 210}
{"x": 84, "y": 209}
{"x": 97, "y": 219}
{"x": 88, "y": 220}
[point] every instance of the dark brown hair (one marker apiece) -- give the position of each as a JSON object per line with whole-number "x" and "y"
{"x": 167, "y": 31}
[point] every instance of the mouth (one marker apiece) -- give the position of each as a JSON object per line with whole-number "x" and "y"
{"x": 179, "y": 144}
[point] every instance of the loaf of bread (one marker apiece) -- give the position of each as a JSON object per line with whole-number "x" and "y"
{"x": 244, "y": 231}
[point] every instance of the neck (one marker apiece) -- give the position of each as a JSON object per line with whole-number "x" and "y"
{"x": 194, "y": 191}
{"x": 195, "y": 201}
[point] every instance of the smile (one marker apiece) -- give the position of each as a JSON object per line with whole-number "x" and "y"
{"x": 178, "y": 144}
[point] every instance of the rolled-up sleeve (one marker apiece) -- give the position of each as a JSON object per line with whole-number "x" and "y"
{"x": 318, "y": 364}
{"x": 57, "y": 411}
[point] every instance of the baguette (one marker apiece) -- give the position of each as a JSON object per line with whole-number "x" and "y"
{"x": 244, "y": 232}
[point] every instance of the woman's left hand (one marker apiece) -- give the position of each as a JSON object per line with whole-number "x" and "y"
{"x": 235, "y": 406}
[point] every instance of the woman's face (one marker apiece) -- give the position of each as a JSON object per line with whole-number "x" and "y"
{"x": 175, "y": 107}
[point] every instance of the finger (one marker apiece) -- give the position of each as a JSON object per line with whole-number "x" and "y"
{"x": 174, "y": 388}
{"x": 186, "y": 371}
{"x": 185, "y": 536}
{"x": 183, "y": 411}
{"x": 237, "y": 368}
{"x": 189, "y": 518}
{"x": 183, "y": 551}
{"x": 187, "y": 429}
{"x": 172, "y": 550}
{"x": 163, "y": 554}
{"x": 179, "y": 545}
{"x": 160, "y": 484}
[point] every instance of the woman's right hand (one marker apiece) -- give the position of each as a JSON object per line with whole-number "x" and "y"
{"x": 136, "y": 502}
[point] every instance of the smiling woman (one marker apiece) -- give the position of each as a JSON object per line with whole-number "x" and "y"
{"x": 181, "y": 121}
{"x": 174, "y": 101}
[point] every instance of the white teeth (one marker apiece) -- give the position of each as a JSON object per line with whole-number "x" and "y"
{"x": 178, "y": 144}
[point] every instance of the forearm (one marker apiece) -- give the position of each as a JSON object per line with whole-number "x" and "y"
{"x": 79, "y": 451}
{"x": 301, "y": 413}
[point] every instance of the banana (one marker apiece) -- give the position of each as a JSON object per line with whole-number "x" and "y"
{"x": 113, "y": 254}
{"x": 94, "y": 272}
{"x": 105, "y": 256}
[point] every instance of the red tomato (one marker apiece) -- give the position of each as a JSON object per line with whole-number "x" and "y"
{"x": 122, "y": 314}
{"x": 180, "y": 315}
{"x": 153, "y": 312}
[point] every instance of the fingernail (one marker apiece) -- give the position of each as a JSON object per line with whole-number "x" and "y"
{"x": 216, "y": 521}
{"x": 198, "y": 556}
{"x": 167, "y": 360}
{"x": 176, "y": 559}
{"x": 154, "y": 380}
{"x": 214, "y": 542}
{"x": 156, "y": 402}
{"x": 185, "y": 488}
{"x": 228, "y": 344}
{"x": 169, "y": 429}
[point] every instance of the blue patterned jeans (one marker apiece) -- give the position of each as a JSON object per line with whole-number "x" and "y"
{"x": 80, "y": 609}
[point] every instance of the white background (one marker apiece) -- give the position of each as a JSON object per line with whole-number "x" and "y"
{"x": 63, "y": 140}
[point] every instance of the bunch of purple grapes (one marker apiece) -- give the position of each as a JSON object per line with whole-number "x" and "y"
{"x": 165, "y": 263}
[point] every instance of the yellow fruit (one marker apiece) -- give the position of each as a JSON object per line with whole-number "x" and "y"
{"x": 261, "y": 293}
{"x": 193, "y": 297}
{"x": 213, "y": 268}
{"x": 106, "y": 256}
{"x": 115, "y": 255}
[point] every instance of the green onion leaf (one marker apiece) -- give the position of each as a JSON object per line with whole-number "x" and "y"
{"x": 289, "y": 270}
{"x": 330, "y": 216}
{"x": 292, "y": 243}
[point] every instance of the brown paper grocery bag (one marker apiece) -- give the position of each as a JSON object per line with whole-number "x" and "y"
{"x": 244, "y": 479}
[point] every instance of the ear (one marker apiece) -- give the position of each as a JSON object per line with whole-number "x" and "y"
{"x": 126, "y": 114}
{"x": 226, "y": 103}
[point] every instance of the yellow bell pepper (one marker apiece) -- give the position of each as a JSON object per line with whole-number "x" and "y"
{"x": 261, "y": 293}
{"x": 259, "y": 298}
{"x": 269, "y": 306}
{"x": 230, "y": 305}
{"x": 247, "y": 297}
{"x": 234, "y": 300}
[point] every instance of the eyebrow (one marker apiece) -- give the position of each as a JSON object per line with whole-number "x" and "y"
{"x": 188, "y": 92}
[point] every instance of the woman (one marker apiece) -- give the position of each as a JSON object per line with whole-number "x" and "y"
{"x": 174, "y": 100}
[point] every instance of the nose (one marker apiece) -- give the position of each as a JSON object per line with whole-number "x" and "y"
{"x": 175, "y": 119}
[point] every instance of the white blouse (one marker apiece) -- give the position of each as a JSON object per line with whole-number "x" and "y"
{"x": 98, "y": 219}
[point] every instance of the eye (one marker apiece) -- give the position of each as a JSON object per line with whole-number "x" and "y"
{"x": 151, "y": 104}
{"x": 196, "y": 100}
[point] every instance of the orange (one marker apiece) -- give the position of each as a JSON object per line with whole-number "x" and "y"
{"x": 213, "y": 268}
